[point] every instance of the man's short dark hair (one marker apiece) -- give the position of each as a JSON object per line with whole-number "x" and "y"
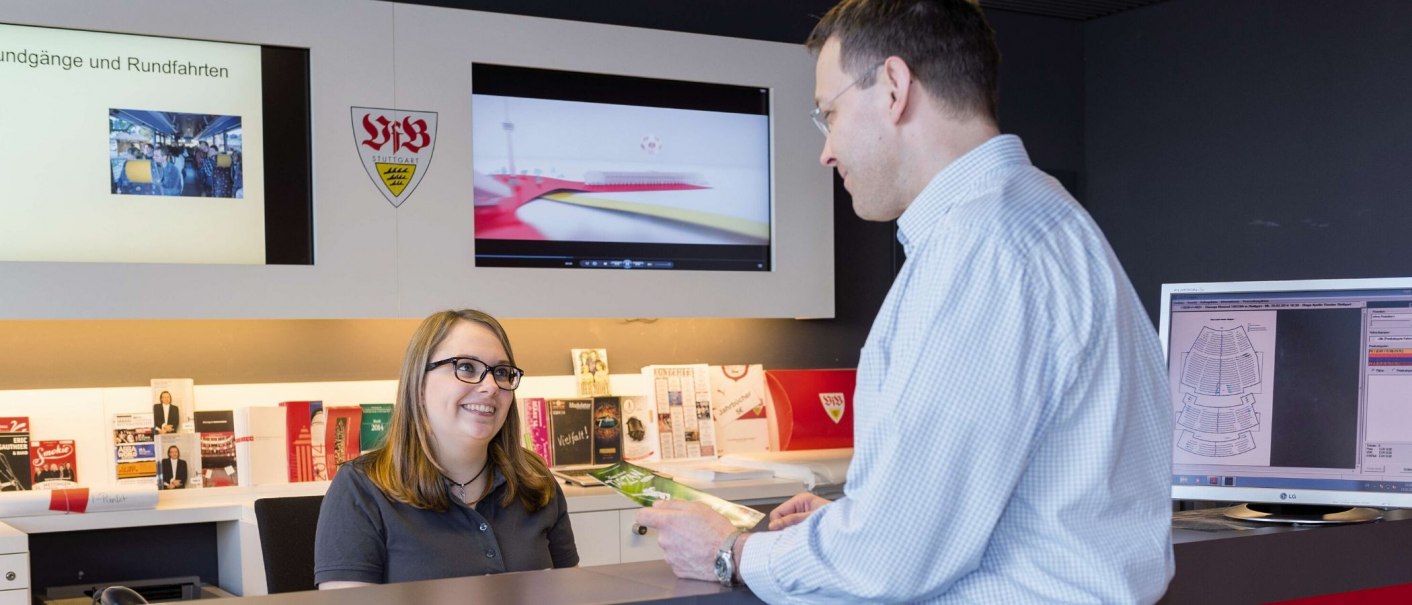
{"x": 947, "y": 43}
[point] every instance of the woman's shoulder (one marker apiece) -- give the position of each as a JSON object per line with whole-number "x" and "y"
{"x": 353, "y": 475}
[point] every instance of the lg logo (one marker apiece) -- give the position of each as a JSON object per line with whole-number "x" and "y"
{"x": 1286, "y": 496}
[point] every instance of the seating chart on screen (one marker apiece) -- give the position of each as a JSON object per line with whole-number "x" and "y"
{"x": 1221, "y": 387}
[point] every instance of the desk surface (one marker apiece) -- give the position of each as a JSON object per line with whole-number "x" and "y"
{"x": 646, "y": 582}
{"x": 1256, "y": 565}
{"x": 1276, "y": 563}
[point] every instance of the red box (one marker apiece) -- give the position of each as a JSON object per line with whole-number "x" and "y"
{"x": 813, "y": 408}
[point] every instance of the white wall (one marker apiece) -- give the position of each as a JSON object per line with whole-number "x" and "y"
{"x": 374, "y": 260}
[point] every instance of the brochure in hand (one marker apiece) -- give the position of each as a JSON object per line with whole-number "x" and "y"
{"x": 644, "y": 487}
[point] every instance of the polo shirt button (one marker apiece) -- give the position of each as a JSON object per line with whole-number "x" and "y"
{"x": 490, "y": 554}
{"x": 484, "y": 526}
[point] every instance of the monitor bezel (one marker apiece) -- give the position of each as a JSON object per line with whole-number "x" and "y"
{"x": 1263, "y": 495}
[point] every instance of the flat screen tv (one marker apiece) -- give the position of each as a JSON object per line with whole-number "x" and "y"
{"x": 1294, "y": 396}
{"x": 594, "y": 171}
{"x": 122, "y": 148}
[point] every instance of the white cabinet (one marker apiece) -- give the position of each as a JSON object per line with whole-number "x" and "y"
{"x": 596, "y": 535}
{"x": 636, "y": 545}
{"x": 14, "y": 579}
{"x": 610, "y": 536}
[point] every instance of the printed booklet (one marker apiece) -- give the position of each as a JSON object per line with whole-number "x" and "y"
{"x": 644, "y": 487}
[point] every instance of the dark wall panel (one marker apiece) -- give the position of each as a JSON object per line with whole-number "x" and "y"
{"x": 1251, "y": 140}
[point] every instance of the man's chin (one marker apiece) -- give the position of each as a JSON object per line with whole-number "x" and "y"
{"x": 869, "y": 212}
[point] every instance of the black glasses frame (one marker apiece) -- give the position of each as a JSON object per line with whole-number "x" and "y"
{"x": 512, "y": 375}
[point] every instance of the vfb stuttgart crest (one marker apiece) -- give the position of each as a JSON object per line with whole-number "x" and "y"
{"x": 396, "y": 148}
{"x": 834, "y": 405}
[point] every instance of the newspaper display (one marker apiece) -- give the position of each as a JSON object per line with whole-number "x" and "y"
{"x": 681, "y": 394}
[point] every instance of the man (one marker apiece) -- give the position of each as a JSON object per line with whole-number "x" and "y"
{"x": 173, "y": 470}
{"x": 165, "y": 416}
{"x": 1012, "y": 437}
{"x": 166, "y": 179}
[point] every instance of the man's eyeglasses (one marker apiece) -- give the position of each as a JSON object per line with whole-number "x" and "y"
{"x": 821, "y": 117}
{"x": 473, "y": 371}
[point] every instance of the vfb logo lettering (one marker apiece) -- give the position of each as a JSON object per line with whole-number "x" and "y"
{"x": 834, "y": 404}
{"x": 395, "y": 147}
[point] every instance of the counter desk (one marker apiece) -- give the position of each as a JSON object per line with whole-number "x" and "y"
{"x": 1260, "y": 564}
{"x": 603, "y": 528}
{"x": 1236, "y": 566}
{"x": 642, "y": 582}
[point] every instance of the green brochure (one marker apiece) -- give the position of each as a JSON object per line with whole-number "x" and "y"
{"x": 644, "y": 487}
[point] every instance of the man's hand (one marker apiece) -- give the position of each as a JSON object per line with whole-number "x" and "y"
{"x": 795, "y": 509}
{"x": 689, "y": 533}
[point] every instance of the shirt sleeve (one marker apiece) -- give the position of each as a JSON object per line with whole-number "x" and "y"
{"x": 562, "y": 548}
{"x": 350, "y": 543}
{"x": 956, "y": 402}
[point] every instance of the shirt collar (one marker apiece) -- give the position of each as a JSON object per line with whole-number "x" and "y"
{"x": 955, "y": 183}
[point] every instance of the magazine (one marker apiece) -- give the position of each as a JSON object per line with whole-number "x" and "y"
{"x": 15, "y": 473}
{"x": 580, "y": 475}
{"x": 179, "y": 461}
{"x": 590, "y": 371}
{"x": 172, "y": 405}
{"x": 52, "y": 464}
{"x": 218, "y": 459}
{"x": 644, "y": 487}
{"x": 134, "y": 453}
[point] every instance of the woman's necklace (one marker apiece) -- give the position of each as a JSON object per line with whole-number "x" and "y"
{"x": 460, "y": 488}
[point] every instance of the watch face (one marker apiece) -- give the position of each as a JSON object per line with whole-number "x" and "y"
{"x": 722, "y": 567}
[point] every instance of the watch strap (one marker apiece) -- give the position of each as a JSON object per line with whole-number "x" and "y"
{"x": 727, "y": 554}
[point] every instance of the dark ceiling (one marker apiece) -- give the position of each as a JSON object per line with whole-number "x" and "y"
{"x": 1077, "y": 10}
{"x": 788, "y": 21}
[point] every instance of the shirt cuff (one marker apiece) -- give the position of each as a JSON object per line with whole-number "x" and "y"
{"x": 755, "y": 567}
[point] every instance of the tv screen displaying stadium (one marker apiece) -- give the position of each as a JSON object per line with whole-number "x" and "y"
{"x": 592, "y": 171}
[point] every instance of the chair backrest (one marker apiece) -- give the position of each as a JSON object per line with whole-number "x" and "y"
{"x": 138, "y": 171}
{"x": 287, "y": 528}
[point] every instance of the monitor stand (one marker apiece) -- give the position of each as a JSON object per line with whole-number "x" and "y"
{"x": 1312, "y": 514}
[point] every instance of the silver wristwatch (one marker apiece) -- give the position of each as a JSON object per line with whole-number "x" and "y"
{"x": 725, "y": 561}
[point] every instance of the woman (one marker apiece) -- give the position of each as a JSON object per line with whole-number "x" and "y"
{"x": 451, "y": 492}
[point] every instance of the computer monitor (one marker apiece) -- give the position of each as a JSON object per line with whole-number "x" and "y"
{"x": 1292, "y": 396}
{"x": 600, "y": 171}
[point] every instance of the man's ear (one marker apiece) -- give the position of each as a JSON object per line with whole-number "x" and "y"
{"x": 897, "y": 76}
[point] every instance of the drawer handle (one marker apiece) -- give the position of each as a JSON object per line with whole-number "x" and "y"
{"x": 10, "y": 576}
{"x": 640, "y": 530}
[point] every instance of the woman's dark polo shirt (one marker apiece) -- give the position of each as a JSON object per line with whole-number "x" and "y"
{"x": 364, "y": 536}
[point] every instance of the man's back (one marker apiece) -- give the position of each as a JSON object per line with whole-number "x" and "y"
{"x": 1012, "y": 365}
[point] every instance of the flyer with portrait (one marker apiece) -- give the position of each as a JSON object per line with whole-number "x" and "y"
{"x": 644, "y": 487}
{"x": 590, "y": 371}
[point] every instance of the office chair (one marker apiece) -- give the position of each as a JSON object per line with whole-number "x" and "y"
{"x": 118, "y": 595}
{"x": 286, "y": 528}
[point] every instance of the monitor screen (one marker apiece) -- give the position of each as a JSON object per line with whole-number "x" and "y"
{"x": 1291, "y": 392}
{"x": 143, "y": 149}
{"x": 592, "y": 171}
